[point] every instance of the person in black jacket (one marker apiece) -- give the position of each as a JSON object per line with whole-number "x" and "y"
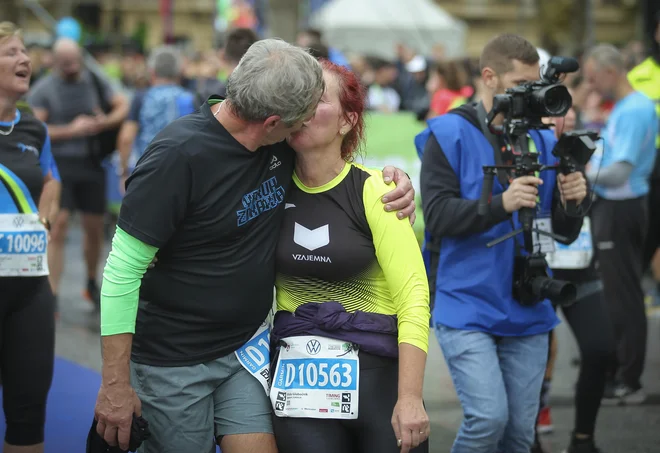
{"x": 590, "y": 323}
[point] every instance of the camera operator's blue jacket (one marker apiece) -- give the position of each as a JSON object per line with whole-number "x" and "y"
{"x": 472, "y": 284}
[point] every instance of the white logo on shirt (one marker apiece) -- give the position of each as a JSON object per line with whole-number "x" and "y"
{"x": 289, "y": 205}
{"x": 32, "y": 149}
{"x": 311, "y": 239}
{"x": 274, "y": 162}
{"x": 318, "y": 259}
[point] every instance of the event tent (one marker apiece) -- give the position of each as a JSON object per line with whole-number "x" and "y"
{"x": 375, "y": 27}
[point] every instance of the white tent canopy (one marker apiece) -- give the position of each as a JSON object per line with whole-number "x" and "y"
{"x": 375, "y": 27}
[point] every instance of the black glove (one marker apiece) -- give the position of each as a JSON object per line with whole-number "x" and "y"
{"x": 139, "y": 433}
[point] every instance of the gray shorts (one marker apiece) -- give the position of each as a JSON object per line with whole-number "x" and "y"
{"x": 188, "y": 407}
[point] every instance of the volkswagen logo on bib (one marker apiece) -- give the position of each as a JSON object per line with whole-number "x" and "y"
{"x": 313, "y": 347}
{"x": 18, "y": 221}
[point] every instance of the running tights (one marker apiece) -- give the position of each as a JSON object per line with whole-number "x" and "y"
{"x": 27, "y": 343}
{"x": 590, "y": 322}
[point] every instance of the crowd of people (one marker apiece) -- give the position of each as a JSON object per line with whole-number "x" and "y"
{"x": 237, "y": 176}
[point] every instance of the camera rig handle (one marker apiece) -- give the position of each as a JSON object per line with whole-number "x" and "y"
{"x": 525, "y": 215}
{"x": 486, "y": 190}
{"x": 567, "y": 168}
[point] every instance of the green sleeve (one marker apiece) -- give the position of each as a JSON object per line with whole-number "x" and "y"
{"x": 400, "y": 258}
{"x": 120, "y": 293}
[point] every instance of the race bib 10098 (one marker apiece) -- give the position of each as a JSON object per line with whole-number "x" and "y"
{"x": 542, "y": 243}
{"x": 23, "y": 244}
{"x": 577, "y": 255}
{"x": 316, "y": 377}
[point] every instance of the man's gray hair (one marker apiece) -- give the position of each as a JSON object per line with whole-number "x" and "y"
{"x": 607, "y": 56}
{"x": 166, "y": 62}
{"x": 275, "y": 78}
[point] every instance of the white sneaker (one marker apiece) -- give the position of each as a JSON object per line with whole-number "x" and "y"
{"x": 609, "y": 397}
{"x": 629, "y": 396}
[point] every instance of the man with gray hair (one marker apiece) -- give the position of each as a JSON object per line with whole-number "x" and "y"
{"x": 620, "y": 171}
{"x": 154, "y": 108}
{"x": 207, "y": 198}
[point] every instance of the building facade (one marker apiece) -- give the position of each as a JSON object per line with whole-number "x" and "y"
{"x": 547, "y": 23}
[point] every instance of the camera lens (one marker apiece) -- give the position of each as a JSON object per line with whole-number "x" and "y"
{"x": 558, "y": 291}
{"x": 553, "y": 100}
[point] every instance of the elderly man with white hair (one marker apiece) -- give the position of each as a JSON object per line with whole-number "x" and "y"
{"x": 620, "y": 170}
{"x": 69, "y": 101}
{"x": 185, "y": 343}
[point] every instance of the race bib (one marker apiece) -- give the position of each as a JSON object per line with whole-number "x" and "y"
{"x": 23, "y": 244}
{"x": 255, "y": 355}
{"x": 316, "y": 377}
{"x": 577, "y": 255}
{"x": 543, "y": 243}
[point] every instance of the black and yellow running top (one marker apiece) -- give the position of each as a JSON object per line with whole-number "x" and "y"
{"x": 337, "y": 243}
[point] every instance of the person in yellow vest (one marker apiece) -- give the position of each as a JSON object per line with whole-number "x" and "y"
{"x": 645, "y": 78}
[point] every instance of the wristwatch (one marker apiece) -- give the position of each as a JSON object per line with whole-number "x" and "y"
{"x": 45, "y": 222}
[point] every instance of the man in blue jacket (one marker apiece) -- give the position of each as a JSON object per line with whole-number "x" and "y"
{"x": 496, "y": 348}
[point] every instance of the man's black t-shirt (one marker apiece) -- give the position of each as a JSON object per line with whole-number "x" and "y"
{"x": 214, "y": 209}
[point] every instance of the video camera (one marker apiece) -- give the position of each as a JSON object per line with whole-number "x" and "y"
{"x": 526, "y": 105}
{"x": 524, "y": 108}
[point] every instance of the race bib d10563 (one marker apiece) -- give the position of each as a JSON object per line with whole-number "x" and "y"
{"x": 316, "y": 377}
{"x": 23, "y": 244}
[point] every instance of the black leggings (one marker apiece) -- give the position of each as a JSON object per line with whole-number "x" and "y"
{"x": 27, "y": 349}
{"x": 370, "y": 432}
{"x": 590, "y": 322}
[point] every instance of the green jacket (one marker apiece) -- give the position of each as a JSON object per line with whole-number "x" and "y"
{"x": 645, "y": 78}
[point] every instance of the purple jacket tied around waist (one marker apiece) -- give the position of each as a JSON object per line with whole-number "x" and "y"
{"x": 374, "y": 333}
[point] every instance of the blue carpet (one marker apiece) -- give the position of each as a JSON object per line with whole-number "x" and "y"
{"x": 70, "y": 408}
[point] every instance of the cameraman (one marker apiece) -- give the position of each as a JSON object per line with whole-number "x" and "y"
{"x": 495, "y": 348}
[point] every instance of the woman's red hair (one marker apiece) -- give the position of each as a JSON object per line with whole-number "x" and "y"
{"x": 352, "y": 97}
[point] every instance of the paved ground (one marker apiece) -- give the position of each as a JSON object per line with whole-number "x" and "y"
{"x": 620, "y": 429}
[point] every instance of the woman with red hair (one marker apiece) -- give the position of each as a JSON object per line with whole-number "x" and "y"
{"x": 350, "y": 336}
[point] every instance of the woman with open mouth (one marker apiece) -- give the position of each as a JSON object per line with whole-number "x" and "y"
{"x": 29, "y": 198}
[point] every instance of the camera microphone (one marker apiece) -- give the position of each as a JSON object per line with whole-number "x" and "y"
{"x": 564, "y": 64}
{"x": 559, "y": 65}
